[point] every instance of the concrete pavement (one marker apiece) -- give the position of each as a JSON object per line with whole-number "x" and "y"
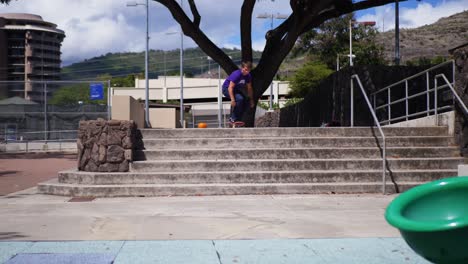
{"x": 41, "y": 229}
{"x": 27, "y": 215}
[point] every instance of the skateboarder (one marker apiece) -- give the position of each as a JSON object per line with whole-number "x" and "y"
{"x": 233, "y": 88}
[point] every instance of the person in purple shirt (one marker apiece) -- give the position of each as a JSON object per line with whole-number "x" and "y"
{"x": 233, "y": 89}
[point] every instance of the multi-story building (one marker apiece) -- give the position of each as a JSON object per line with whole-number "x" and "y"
{"x": 29, "y": 51}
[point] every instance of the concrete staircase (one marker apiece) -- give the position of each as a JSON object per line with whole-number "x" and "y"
{"x": 271, "y": 161}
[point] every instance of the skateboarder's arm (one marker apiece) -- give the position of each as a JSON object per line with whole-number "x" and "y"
{"x": 231, "y": 93}
{"x": 250, "y": 93}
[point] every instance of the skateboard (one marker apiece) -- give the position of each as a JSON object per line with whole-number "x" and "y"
{"x": 236, "y": 124}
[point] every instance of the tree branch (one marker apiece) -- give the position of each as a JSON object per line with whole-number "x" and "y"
{"x": 194, "y": 32}
{"x": 196, "y": 15}
{"x": 246, "y": 29}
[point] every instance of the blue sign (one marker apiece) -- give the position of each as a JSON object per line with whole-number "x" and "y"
{"x": 96, "y": 91}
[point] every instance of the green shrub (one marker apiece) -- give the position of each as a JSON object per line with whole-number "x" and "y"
{"x": 308, "y": 77}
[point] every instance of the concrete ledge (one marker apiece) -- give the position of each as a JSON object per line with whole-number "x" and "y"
{"x": 135, "y": 190}
{"x": 463, "y": 170}
{"x": 445, "y": 119}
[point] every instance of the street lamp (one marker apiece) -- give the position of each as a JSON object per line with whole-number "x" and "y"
{"x": 272, "y": 16}
{"x": 351, "y": 23}
{"x": 181, "y": 74}
{"x": 146, "y": 60}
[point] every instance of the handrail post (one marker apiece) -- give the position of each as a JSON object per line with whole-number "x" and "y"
{"x": 428, "y": 96}
{"x": 375, "y": 101}
{"x": 389, "y": 106}
{"x": 374, "y": 116}
{"x": 384, "y": 165}
{"x": 435, "y": 102}
{"x": 406, "y": 99}
{"x": 352, "y": 102}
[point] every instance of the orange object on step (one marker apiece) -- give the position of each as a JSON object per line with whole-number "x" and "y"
{"x": 202, "y": 125}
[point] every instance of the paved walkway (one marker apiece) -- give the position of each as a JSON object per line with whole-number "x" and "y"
{"x": 19, "y": 171}
{"x": 214, "y": 229}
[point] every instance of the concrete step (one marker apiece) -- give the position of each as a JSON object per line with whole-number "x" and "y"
{"x": 311, "y": 176}
{"x": 293, "y": 164}
{"x": 291, "y": 132}
{"x": 293, "y": 142}
{"x": 77, "y": 190}
{"x": 296, "y": 153}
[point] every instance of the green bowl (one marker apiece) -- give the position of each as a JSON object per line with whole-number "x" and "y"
{"x": 433, "y": 219}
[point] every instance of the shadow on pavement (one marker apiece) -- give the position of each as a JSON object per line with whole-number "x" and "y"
{"x": 10, "y": 235}
{"x": 6, "y": 173}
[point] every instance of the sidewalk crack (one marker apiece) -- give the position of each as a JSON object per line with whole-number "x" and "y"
{"x": 217, "y": 253}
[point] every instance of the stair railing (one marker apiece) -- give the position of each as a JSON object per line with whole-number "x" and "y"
{"x": 407, "y": 97}
{"x": 374, "y": 116}
{"x": 447, "y": 84}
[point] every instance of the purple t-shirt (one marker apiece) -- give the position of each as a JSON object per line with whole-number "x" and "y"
{"x": 237, "y": 78}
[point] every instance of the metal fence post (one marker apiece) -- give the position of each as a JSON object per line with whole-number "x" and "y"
{"x": 109, "y": 117}
{"x": 45, "y": 112}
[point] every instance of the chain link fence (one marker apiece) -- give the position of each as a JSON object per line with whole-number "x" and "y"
{"x": 49, "y": 111}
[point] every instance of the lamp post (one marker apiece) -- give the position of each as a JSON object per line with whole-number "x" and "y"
{"x": 181, "y": 74}
{"x": 146, "y": 60}
{"x": 351, "y": 23}
{"x": 182, "y": 123}
{"x": 272, "y": 16}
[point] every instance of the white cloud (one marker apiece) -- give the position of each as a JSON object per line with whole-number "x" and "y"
{"x": 423, "y": 14}
{"x": 94, "y": 28}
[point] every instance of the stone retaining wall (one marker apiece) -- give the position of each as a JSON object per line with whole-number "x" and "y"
{"x": 460, "y": 54}
{"x": 106, "y": 146}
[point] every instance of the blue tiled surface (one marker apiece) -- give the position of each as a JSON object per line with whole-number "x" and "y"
{"x": 353, "y": 251}
{"x": 9, "y": 249}
{"x": 181, "y": 251}
{"x": 81, "y": 258}
{"x": 111, "y": 247}
{"x": 323, "y": 251}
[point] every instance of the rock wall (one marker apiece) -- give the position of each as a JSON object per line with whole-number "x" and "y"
{"x": 269, "y": 119}
{"x": 106, "y": 146}
{"x": 460, "y": 55}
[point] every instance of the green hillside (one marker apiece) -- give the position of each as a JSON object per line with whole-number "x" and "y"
{"x": 124, "y": 64}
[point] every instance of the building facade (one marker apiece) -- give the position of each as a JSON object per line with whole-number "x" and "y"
{"x": 29, "y": 52}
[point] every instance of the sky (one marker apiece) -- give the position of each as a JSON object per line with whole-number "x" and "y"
{"x": 94, "y": 28}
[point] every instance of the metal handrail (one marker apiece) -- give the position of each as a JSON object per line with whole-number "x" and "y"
{"x": 416, "y": 75}
{"x": 384, "y": 156}
{"x": 407, "y": 97}
{"x": 447, "y": 83}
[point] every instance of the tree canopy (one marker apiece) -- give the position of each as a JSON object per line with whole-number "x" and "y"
{"x": 306, "y": 15}
{"x": 331, "y": 39}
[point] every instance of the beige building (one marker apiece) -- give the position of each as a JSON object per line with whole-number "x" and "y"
{"x": 196, "y": 90}
{"x": 29, "y": 51}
